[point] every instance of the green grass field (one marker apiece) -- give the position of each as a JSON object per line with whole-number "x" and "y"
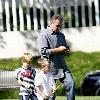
{"x": 80, "y": 98}
{"x": 77, "y": 98}
{"x": 79, "y": 63}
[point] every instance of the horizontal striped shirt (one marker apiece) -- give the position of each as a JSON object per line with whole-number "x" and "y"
{"x": 26, "y": 75}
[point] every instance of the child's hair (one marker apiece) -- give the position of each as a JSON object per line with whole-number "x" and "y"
{"x": 41, "y": 62}
{"x": 55, "y": 17}
{"x": 26, "y": 57}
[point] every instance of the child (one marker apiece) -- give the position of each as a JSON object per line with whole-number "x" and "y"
{"x": 25, "y": 77}
{"x": 44, "y": 81}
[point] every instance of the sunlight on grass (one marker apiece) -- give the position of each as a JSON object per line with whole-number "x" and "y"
{"x": 80, "y": 98}
{"x": 78, "y": 62}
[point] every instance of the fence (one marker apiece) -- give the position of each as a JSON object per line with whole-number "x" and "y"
{"x": 8, "y": 79}
{"x": 20, "y": 15}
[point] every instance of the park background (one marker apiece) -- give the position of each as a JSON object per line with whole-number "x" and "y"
{"x": 20, "y": 24}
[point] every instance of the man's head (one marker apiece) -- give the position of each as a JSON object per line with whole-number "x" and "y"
{"x": 56, "y": 23}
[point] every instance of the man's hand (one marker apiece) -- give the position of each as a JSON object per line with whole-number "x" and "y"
{"x": 62, "y": 48}
{"x": 67, "y": 50}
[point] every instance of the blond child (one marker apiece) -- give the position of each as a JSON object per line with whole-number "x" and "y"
{"x": 25, "y": 77}
{"x": 44, "y": 81}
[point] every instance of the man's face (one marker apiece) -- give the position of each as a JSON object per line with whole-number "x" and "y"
{"x": 56, "y": 25}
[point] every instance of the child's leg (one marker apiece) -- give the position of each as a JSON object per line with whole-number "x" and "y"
{"x": 52, "y": 97}
{"x": 33, "y": 96}
{"x": 24, "y": 97}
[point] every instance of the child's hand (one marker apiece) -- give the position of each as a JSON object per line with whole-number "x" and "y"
{"x": 31, "y": 85}
{"x": 54, "y": 90}
{"x": 44, "y": 97}
{"x": 27, "y": 85}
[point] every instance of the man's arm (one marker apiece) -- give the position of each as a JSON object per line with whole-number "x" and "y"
{"x": 44, "y": 48}
{"x": 60, "y": 49}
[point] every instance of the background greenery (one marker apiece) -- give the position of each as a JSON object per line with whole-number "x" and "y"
{"x": 79, "y": 63}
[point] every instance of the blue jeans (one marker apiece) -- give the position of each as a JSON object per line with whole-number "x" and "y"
{"x": 28, "y": 97}
{"x": 68, "y": 82}
{"x": 70, "y": 86}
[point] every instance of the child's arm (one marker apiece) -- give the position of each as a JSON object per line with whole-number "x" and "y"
{"x": 20, "y": 80}
{"x": 27, "y": 85}
{"x": 41, "y": 93}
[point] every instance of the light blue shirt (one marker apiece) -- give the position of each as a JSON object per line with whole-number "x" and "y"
{"x": 47, "y": 40}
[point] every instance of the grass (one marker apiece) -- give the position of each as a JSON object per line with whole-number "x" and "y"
{"x": 76, "y": 98}
{"x": 79, "y": 63}
{"x": 9, "y": 94}
{"x": 80, "y": 98}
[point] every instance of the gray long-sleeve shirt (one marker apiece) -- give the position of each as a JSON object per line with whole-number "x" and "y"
{"x": 47, "y": 40}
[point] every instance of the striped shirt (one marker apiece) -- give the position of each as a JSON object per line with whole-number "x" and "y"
{"x": 26, "y": 75}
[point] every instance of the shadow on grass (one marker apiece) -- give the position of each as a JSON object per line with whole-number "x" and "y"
{"x": 62, "y": 92}
{"x": 9, "y": 94}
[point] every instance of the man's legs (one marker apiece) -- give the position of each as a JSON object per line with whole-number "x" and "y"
{"x": 70, "y": 87}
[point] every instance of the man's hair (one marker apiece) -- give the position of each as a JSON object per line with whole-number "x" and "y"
{"x": 55, "y": 17}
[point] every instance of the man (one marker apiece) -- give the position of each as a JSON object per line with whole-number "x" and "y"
{"x": 52, "y": 45}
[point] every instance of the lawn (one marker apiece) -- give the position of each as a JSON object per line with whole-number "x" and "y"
{"x": 80, "y": 98}
{"x": 77, "y": 98}
{"x": 79, "y": 63}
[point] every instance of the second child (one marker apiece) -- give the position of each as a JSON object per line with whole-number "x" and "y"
{"x": 44, "y": 81}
